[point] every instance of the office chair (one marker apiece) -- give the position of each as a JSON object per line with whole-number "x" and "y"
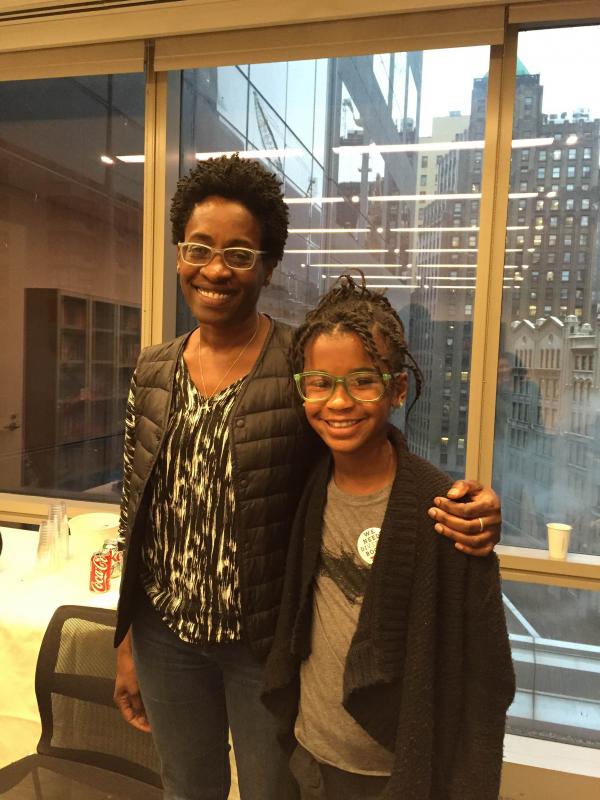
{"x": 86, "y": 751}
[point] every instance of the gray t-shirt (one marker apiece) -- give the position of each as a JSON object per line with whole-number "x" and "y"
{"x": 351, "y": 525}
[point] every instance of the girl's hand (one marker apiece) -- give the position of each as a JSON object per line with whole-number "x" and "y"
{"x": 473, "y": 524}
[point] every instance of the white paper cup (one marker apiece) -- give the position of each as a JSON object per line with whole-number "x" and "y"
{"x": 558, "y": 540}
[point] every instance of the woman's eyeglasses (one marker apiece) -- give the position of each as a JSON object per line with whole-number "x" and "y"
{"x": 199, "y": 255}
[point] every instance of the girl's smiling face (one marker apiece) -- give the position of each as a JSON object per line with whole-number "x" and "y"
{"x": 346, "y": 425}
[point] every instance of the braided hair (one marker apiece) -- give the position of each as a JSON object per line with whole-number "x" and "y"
{"x": 244, "y": 180}
{"x": 352, "y": 308}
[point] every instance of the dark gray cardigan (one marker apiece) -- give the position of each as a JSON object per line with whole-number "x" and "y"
{"x": 429, "y": 672}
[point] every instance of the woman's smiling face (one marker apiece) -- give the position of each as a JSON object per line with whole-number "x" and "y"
{"x": 217, "y": 294}
{"x": 347, "y": 425}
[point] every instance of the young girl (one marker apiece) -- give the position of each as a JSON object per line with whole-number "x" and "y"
{"x": 391, "y": 670}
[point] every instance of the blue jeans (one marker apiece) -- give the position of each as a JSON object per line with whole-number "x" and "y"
{"x": 193, "y": 694}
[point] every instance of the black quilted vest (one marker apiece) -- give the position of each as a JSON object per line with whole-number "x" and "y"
{"x": 272, "y": 448}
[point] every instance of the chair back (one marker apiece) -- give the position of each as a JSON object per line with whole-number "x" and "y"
{"x": 74, "y": 684}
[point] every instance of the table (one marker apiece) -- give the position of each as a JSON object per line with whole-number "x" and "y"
{"x": 27, "y": 601}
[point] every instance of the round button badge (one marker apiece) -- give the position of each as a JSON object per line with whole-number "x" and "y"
{"x": 366, "y": 544}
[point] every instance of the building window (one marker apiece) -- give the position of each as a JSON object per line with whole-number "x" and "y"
{"x": 80, "y": 220}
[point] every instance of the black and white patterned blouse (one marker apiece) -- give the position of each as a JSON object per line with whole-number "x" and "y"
{"x": 189, "y": 566}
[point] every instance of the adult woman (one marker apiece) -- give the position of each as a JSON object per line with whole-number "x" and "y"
{"x": 215, "y": 457}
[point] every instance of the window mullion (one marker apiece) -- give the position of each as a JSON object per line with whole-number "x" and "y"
{"x": 161, "y": 167}
{"x": 490, "y": 259}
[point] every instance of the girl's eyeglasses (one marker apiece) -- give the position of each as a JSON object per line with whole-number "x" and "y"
{"x": 364, "y": 386}
{"x": 199, "y": 255}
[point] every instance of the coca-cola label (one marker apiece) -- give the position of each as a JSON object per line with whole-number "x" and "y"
{"x": 112, "y": 545}
{"x": 100, "y": 569}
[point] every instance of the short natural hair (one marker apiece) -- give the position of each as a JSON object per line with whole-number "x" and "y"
{"x": 244, "y": 180}
{"x": 352, "y": 308}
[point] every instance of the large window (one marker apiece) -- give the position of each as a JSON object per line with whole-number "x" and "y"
{"x": 546, "y": 455}
{"x": 556, "y": 654}
{"x": 381, "y": 160}
{"x": 70, "y": 258}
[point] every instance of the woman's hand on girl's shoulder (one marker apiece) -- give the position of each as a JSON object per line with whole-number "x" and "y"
{"x": 470, "y": 514}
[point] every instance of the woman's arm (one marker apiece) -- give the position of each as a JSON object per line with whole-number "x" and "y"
{"x": 127, "y": 695}
{"x": 470, "y": 514}
{"x": 128, "y": 451}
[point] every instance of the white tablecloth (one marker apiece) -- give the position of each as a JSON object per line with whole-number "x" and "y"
{"x": 27, "y": 601}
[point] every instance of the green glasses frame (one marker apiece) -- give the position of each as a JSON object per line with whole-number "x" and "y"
{"x": 386, "y": 377}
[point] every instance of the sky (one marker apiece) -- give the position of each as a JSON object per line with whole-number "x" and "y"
{"x": 567, "y": 60}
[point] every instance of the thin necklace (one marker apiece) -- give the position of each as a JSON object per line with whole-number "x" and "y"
{"x": 231, "y": 366}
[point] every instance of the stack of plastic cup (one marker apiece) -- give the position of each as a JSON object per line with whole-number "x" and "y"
{"x": 48, "y": 552}
{"x": 58, "y": 512}
{"x": 53, "y": 543}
